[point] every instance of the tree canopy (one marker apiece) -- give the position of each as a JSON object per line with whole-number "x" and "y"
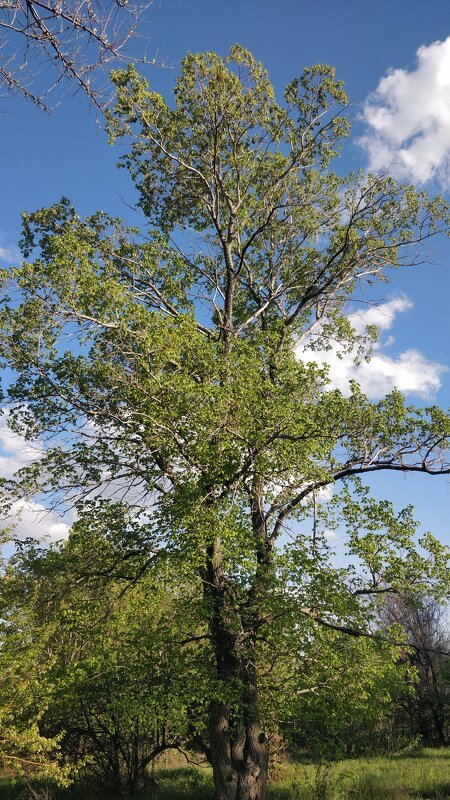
{"x": 170, "y": 372}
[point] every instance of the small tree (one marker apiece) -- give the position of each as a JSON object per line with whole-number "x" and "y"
{"x": 425, "y": 626}
{"x": 25, "y": 692}
{"x": 103, "y": 685}
{"x": 349, "y": 706}
{"x": 181, "y": 387}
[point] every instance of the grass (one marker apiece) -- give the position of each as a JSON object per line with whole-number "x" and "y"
{"x": 424, "y": 775}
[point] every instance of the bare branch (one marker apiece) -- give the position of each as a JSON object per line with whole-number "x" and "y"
{"x": 46, "y": 45}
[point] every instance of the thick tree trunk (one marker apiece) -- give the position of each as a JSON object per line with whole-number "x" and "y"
{"x": 239, "y": 757}
{"x": 225, "y": 776}
{"x": 238, "y": 746}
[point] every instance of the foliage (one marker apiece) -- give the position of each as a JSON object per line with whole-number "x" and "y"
{"x": 425, "y": 625}
{"x": 355, "y": 705}
{"x": 25, "y": 696}
{"x": 107, "y": 659}
{"x": 171, "y": 371}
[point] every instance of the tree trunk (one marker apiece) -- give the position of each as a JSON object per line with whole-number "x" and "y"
{"x": 225, "y": 776}
{"x": 238, "y": 746}
{"x": 239, "y": 757}
{"x": 239, "y": 750}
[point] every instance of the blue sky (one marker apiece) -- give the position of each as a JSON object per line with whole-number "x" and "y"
{"x": 373, "y": 46}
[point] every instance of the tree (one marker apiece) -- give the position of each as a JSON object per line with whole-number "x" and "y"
{"x": 169, "y": 371}
{"x": 359, "y": 686}
{"x": 25, "y": 692}
{"x": 426, "y": 629}
{"x": 100, "y": 686}
{"x": 72, "y": 41}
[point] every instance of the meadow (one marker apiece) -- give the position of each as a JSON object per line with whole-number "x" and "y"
{"x": 420, "y": 775}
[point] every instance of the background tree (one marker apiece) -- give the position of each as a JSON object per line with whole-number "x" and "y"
{"x": 101, "y": 673}
{"x": 25, "y": 749}
{"x": 102, "y": 666}
{"x": 425, "y": 624}
{"x": 184, "y": 385}
{"x": 71, "y": 42}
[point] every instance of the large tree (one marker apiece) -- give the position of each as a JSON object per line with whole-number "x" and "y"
{"x": 170, "y": 370}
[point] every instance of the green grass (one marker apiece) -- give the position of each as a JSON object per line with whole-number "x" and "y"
{"x": 424, "y": 775}
{"x": 419, "y": 776}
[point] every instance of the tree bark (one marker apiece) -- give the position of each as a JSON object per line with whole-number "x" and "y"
{"x": 239, "y": 755}
{"x": 238, "y": 747}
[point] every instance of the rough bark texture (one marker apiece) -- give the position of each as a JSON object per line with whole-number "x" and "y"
{"x": 238, "y": 745}
{"x": 239, "y": 756}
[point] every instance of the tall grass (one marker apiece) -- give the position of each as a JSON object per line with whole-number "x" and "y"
{"x": 424, "y": 775}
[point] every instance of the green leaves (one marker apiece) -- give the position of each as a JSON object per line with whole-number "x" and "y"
{"x": 107, "y": 664}
{"x": 165, "y": 375}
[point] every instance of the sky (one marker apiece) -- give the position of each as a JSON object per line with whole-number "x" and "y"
{"x": 395, "y": 61}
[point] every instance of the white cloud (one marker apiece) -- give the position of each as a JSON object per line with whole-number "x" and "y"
{"x": 410, "y": 371}
{"x": 408, "y": 119}
{"x": 32, "y": 520}
{"x": 325, "y": 494}
{"x": 383, "y": 316}
{"x": 27, "y": 518}
{"x": 9, "y": 253}
{"x": 15, "y": 451}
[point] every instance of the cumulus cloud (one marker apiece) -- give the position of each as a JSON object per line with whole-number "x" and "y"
{"x": 410, "y": 371}
{"x": 26, "y": 518}
{"x": 408, "y": 119}
{"x": 15, "y": 451}
{"x": 33, "y": 520}
{"x": 382, "y": 316}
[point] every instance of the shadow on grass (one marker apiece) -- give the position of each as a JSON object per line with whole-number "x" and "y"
{"x": 439, "y": 754}
{"x": 440, "y": 791}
